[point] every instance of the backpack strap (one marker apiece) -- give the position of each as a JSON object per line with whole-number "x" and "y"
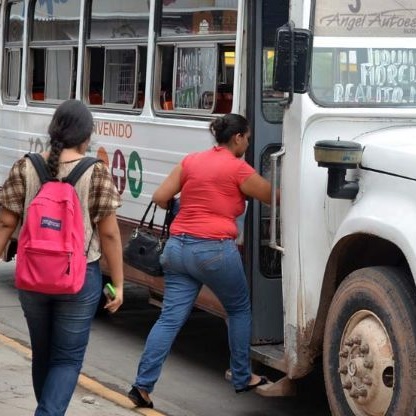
{"x": 74, "y": 176}
{"x": 79, "y": 169}
{"x": 41, "y": 167}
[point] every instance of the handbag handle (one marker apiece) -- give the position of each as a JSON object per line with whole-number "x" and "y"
{"x": 165, "y": 228}
{"x": 146, "y": 212}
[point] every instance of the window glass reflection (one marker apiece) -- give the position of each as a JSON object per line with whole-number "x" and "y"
{"x": 56, "y": 20}
{"x": 119, "y": 19}
{"x": 199, "y": 17}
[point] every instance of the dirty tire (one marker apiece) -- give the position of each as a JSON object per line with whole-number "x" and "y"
{"x": 369, "y": 351}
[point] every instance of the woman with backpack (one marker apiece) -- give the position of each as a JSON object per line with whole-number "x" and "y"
{"x": 59, "y": 321}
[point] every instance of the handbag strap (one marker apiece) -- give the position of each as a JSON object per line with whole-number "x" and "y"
{"x": 165, "y": 228}
{"x": 146, "y": 212}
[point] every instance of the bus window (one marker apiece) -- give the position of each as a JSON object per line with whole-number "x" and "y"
{"x": 370, "y": 77}
{"x": 274, "y": 16}
{"x": 167, "y": 54}
{"x": 364, "y": 76}
{"x": 119, "y": 19}
{"x": 54, "y": 67}
{"x": 58, "y": 73}
{"x": 224, "y": 93}
{"x": 196, "y": 51}
{"x": 199, "y": 17}
{"x": 272, "y": 110}
{"x": 53, "y": 75}
{"x": 119, "y": 76}
{"x": 38, "y": 74}
{"x": 13, "y": 51}
{"x": 344, "y": 73}
{"x": 116, "y": 53}
{"x": 195, "y": 77}
{"x": 59, "y": 21}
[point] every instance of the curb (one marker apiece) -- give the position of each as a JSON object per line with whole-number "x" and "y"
{"x": 87, "y": 383}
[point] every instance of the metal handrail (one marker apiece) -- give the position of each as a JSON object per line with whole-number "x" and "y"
{"x": 273, "y": 207}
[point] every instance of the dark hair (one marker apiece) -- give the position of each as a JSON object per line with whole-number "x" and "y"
{"x": 71, "y": 125}
{"x": 223, "y": 128}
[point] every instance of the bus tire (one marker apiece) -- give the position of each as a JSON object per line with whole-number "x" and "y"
{"x": 369, "y": 348}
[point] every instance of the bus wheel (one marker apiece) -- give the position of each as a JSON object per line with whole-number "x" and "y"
{"x": 369, "y": 351}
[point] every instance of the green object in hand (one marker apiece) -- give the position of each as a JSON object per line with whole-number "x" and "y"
{"x": 109, "y": 291}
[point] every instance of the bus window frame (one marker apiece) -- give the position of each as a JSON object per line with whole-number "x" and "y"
{"x": 226, "y": 40}
{"x": 9, "y": 47}
{"x": 127, "y": 43}
{"x": 45, "y": 46}
{"x": 32, "y": 44}
{"x": 220, "y": 42}
{"x": 108, "y": 106}
{"x": 136, "y": 43}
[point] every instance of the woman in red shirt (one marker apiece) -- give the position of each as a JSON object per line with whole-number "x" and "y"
{"x": 214, "y": 185}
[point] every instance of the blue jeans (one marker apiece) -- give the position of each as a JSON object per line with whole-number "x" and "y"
{"x": 59, "y": 327}
{"x": 188, "y": 263}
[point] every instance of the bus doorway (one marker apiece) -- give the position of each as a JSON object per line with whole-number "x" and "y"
{"x": 265, "y": 114}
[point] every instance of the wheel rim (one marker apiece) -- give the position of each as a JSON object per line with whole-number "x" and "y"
{"x": 366, "y": 365}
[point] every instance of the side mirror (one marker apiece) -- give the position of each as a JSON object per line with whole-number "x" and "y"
{"x": 292, "y": 59}
{"x": 338, "y": 156}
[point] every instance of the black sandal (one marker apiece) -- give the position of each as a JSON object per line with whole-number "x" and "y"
{"x": 262, "y": 382}
{"x": 136, "y": 397}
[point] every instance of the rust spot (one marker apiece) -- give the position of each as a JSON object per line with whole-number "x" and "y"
{"x": 300, "y": 354}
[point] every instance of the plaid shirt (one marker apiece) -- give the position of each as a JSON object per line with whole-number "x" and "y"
{"x": 103, "y": 198}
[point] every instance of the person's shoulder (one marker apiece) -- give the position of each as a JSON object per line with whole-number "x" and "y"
{"x": 23, "y": 161}
{"x": 100, "y": 174}
{"x": 20, "y": 164}
{"x": 100, "y": 166}
{"x": 191, "y": 156}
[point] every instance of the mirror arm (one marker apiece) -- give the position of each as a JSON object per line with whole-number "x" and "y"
{"x": 291, "y": 26}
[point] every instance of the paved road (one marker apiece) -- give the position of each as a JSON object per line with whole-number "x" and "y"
{"x": 192, "y": 382}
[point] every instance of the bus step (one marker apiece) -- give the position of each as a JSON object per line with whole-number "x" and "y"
{"x": 284, "y": 387}
{"x": 272, "y": 355}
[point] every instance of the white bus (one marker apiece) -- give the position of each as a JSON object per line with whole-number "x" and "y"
{"x": 330, "y": 97}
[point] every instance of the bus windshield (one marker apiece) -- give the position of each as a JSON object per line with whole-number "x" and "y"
{"x": 356, "y": 61}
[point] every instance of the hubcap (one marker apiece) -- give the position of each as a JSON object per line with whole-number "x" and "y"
{"x": 366, "y": 365}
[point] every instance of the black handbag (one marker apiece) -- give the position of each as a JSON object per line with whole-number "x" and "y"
{"x": 145, "y": 246}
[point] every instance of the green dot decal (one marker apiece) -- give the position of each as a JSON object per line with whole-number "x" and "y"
{"x": 134, "y": 174}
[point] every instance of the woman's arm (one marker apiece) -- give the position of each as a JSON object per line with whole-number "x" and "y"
{"x": 112, "y": 249}
{"x": 169, "y": 188}
{"x": 8, "y": 223}
{"x": 255, "y": 186}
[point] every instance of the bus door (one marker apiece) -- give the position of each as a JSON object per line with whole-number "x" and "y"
{"x": 265, "y": 115}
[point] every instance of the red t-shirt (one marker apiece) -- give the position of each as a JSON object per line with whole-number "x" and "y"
{"x": 211, "y": 199}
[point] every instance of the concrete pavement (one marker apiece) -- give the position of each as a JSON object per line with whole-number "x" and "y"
{"x": 90, "y": 398}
